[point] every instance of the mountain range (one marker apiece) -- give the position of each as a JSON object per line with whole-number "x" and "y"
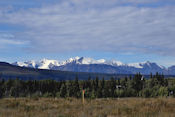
{"x": 82, "y": 64}
{"x": 9, "y": 71}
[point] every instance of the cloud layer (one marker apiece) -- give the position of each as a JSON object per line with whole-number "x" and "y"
{"x": 111, "y": 26}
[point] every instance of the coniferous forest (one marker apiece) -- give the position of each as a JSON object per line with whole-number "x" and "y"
{"x": 133, "y": 86}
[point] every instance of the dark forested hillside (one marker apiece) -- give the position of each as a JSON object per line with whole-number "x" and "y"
{"x": 8, "y": 71}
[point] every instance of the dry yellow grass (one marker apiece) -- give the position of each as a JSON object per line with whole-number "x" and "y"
{"x": 71, "y": 107}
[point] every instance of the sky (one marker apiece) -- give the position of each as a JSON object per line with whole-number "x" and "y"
{"x": 126, "y": 30}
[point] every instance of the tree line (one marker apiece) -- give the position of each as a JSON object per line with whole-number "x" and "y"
{"x": 133, "y": 86}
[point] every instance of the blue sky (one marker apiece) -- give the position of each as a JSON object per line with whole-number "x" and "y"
{"x": 125, "y": 30}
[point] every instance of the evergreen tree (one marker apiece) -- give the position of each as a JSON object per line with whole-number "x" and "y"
{"x": 63, "y": 91}
{"x": 76, "y": 88}
{"x": 70, "y": 89}
{"x": 112, "y": 87}
{"x": 137, "y": 83}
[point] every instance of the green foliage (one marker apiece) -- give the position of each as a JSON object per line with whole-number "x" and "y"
{"x": 63, "y": 90}
{"x": 130, "y": 92}
{"x": 76, "y": 89}
{"x": 136, "y": 86}
{"x": 154, "y": 91}
{"x": 119, "y": 93}
{"x": 146, "y": 93}
{"x": 46, "y": 95}
{"x": 93, "y": 94}
{"x": 163, "y": 91}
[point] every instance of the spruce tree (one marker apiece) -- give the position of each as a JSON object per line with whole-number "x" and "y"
{"x": 63, "y": 91}
{"x": 76, "y": 88}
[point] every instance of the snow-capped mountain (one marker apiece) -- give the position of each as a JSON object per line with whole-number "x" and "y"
{"x": 31, "y": 64}
{"x": 43, "y": 64}
{"x": 48, "y": 64}
{"x": 82, "y": 64}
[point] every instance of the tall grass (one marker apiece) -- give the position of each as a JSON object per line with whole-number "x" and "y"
{"x": 71, "y": 107}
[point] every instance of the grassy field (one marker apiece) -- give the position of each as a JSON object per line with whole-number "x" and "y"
{"x": 71, "y": 107}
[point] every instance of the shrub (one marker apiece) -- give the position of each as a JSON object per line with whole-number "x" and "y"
{"x": 46, "y": 95}
{"x": 146, "y": 93}
{"x": 163, "y": 91}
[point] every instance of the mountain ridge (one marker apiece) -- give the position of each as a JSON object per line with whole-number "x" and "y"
{"x": 82, "y": 64}
{"x": 9, "y": 71}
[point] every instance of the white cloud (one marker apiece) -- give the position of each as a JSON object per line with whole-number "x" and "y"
{"x": 75, "y": 26}
{"x": 7, "y": 39}
{"x": 11, "y": 42}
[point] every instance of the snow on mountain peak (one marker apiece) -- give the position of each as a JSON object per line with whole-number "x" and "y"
{"x": 142, "y": 64}
{"x": 21, "y": 64}
{"x": 84, "y": 60}
{"x": 114, "y": 63}
{"x": 70, "y": 60}
{"x": 46, "y": 64}
{"x": 77, "y": 57}
{"x": 136, "y": 65}
{"x": 49, "y": 64}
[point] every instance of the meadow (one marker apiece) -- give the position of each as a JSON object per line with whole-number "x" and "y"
{"x": 73, "y": 107}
